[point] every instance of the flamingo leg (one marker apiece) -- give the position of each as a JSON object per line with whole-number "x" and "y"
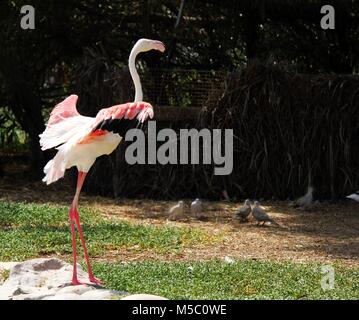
{"x": 74, "y": 218}
{"x": 89, "y": 269}
{"x": 74, "y": 281}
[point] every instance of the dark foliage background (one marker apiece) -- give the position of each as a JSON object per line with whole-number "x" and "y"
{"x": 290, "y": 130}
{"x": 293, "y": 123}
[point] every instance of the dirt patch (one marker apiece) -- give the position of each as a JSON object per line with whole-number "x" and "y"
{"x": 328, "y": 234}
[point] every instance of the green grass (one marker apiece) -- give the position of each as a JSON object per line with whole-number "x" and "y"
{"x": 32, "y": 230}
{"x": 219, "y": 280}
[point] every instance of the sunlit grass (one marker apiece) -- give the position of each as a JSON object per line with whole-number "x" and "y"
{"x": 32, "y": 230}
{"x": 218, "y": 280}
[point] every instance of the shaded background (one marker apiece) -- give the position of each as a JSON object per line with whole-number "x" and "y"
{"x": 265, "y": 68}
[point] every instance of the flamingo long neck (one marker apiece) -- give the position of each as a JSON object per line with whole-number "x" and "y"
{"x": 134, "y": 74}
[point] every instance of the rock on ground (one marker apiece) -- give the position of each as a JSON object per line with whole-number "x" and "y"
{"x": 49, "y": 279}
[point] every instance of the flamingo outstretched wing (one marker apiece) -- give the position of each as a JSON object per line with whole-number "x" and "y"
{"x": 64, "y": 123}
{"x": 141, "y": 110}
{"x": 64, "y": 110}
{"x": 120, "y": 118}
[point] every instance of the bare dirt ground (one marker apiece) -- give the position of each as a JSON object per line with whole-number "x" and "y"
{"x": 327, "y": 234}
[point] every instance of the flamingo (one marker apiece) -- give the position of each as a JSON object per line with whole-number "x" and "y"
{"x": 80, "y": 140}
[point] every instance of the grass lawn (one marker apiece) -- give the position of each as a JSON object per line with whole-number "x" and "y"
{"x": 216, "y": 279}
{"x": 31, "y": 230}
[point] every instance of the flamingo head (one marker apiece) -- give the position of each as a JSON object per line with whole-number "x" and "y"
{"x": 144, "y": 45}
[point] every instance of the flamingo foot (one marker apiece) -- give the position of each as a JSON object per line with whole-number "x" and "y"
{"x": 95, "y": 280}
{"x": 76, "y": 282}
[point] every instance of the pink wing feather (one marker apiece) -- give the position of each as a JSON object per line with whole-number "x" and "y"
{"x": 142, "y": 110}
{"x": 64, "y": 110}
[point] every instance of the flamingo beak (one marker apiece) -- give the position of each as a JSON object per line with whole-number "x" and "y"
{"x": 158, "y": 45}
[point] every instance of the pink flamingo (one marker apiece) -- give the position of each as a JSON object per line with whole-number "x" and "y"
{"x": 80, "y": 140}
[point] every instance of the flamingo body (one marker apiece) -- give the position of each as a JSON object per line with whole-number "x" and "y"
{"x": 80, "y": 140}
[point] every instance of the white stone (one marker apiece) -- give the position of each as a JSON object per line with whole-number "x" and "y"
{"x": 65, "y": 296}
{"x": 7, "y": 265}
{"x": 75, "y": 289}
{"x": 7, "y": 291}
{"x": 47, "y": 279}
{"x": 37, "y": 295}
{"x": 100, "y": 294}
{"x": 50, "y": 279}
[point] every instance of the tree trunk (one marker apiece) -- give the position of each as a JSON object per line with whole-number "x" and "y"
{"x": 27, "y": 110}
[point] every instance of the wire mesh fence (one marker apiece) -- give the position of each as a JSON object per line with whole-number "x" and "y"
{"x": 180, "y": 87}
